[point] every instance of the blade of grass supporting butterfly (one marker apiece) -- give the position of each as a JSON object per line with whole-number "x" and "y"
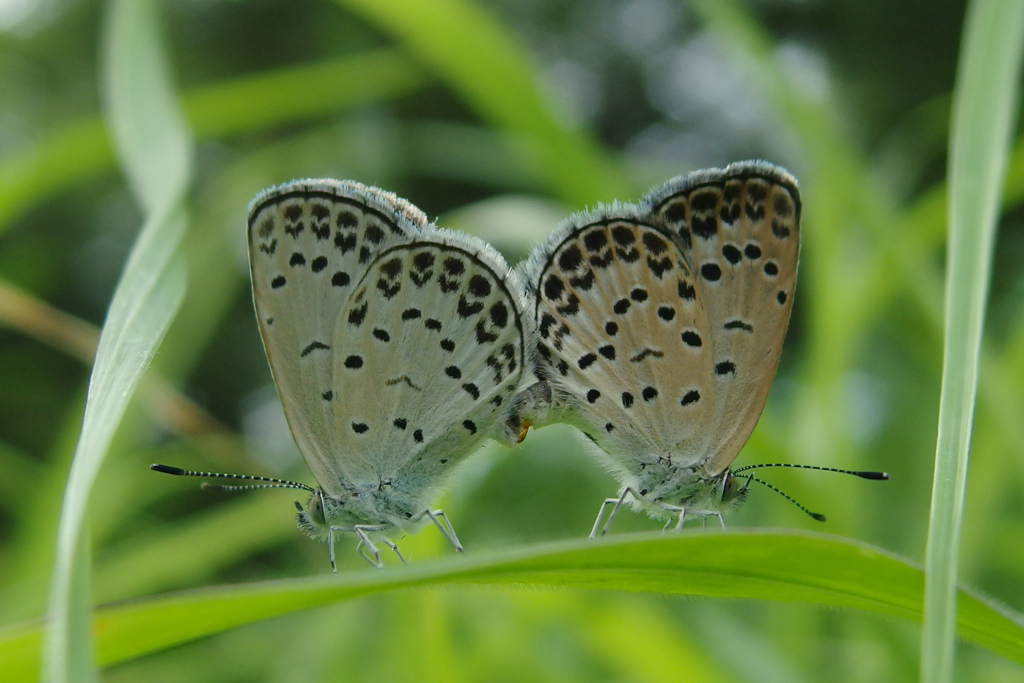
{"x": 985, "y": 105}
{"x": 155, "y": 151}
{"x": 746, "y": 564}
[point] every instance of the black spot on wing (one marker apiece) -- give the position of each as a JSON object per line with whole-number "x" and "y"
{"x": 570, "y": 258}
{"x": 737, "y": 324}
{"x": 479, "y": 286}
{"x": 553, "y": 287}
{"x": 711, "y": 272}
{"x": 731, "y": 253}
{"x": 465, "y": 309}
{"x": 691, "y": 338}
{"x": 356, "y": 315}
{"x": 313, "y": 347}
{"x": 725, "y": 367}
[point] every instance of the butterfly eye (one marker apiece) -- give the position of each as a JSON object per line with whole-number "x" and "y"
{"x": 316, "y": 509}
{"x": 731, "y": 488}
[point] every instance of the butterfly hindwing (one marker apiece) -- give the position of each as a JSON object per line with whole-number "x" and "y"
{"x": 428, "y": 352}
{"x": 661, "y": 323}
{"x": 619, "y": 322}
{"x": 310, "y": 241}
{"x": 742, "y": 228}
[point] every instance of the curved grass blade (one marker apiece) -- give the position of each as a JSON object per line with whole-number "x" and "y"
{"x": 985, "y": 106}
{"x": 81, "y": 151}
{"x": 753, "y": 564}
{"x": 156, "y": 152}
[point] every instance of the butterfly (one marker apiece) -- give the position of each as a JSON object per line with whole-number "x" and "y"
{"x": 660, "y": 326}
{"x": 396, "y": 348}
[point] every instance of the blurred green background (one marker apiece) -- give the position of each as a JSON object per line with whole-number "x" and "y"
{"x": 499, "y": 117}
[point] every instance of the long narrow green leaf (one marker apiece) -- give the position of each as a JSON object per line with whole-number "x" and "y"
{"x": 486, "y": 66}
{"x": 156, "y": 151}
{"x": 81, "y": 150}
{"x": 750, "y": 564}
{"x": 985, "y": 105}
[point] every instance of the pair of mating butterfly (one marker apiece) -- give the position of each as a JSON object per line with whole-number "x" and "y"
{"x": 397, "y": 347}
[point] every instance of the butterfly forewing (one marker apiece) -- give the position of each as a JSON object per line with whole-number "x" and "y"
{"x": 427, "y": 353}
{"x": 621, "y": 325}
{"x": 309, "y": 243}
{"x": 740, "y": 232}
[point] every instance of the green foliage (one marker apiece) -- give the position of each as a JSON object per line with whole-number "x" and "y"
{"x": 985, "y": 106}
{"x": 786, "y": 567}
{"x": 449, "y": 103}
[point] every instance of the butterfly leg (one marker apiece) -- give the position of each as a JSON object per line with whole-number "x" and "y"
{"x": 720, "y": 520}
{"x": 675, "y": 511}
{"x": 366, "y": 548}
{"x": 440, "y": 520}
{"x": 682, "y": 518}
{"x": 616, "y": 503}
{"x": 330, "y": 545}
{"x": 437, "y": 517}
{"x": 394, "y": 548}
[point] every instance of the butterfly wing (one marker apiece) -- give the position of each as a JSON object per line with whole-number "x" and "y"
{"x": 427, "y": 354}
{"x": 309, "y": 243}
{"x": 662, "y": 323}
{"x": 740, "y": 230}
{"x": 619, "y": 324}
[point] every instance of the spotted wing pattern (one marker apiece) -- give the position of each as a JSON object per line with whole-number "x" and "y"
{"x": 310, "y": 241}
{"x": 662, "y": 323}
{"x": 621, "y": 326}
{"x": 427, "y": 355}
{"x": 742, "y": 230}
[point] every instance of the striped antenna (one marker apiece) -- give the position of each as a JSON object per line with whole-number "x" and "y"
{"x": 863, "y": 475}
{"x": 272, "y": 482}
{"x": 816, "y": 515}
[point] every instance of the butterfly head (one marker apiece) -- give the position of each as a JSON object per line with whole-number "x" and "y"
{"x": 734, "y": 490}
{"x": 312, "y": 518}
{"x": 323, "y": 512}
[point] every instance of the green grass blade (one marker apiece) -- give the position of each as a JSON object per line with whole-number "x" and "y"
{"x": 985, "y": 106}
{"x": 156, "y": 152}
{"x": 750, "y": 564}
{"x": 486, "y": 66}
{"x": 81, "y": 151}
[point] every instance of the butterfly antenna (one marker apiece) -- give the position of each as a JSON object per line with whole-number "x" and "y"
{"x": 272, "y": 482}
{"x": 863, "y": 475}
{"x": 816, "y": 515}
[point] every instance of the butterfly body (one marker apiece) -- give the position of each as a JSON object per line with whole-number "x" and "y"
{"x": 660, "y": 327}
{"x": 395, "y": 347}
